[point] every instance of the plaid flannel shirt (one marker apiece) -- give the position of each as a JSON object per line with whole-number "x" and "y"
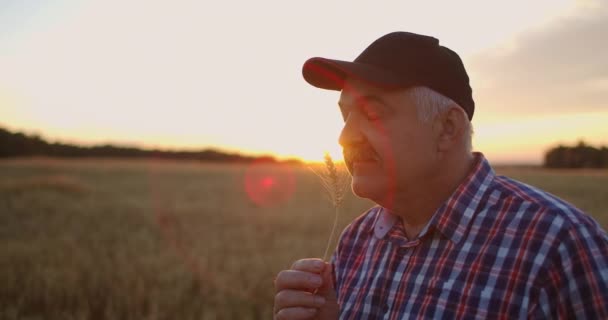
{"x": 496, "y": 249}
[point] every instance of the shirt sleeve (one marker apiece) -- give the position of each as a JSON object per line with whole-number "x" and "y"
{"x": 575, "y": 285}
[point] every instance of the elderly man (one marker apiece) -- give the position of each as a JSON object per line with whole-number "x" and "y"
{"x": 449, "y": 239}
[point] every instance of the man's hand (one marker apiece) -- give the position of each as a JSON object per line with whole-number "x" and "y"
{"x": 305, "y": 292}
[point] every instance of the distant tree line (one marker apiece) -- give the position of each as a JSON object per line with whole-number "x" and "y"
{"x": 21, "y": 145}
{"x": 579, "y": 156}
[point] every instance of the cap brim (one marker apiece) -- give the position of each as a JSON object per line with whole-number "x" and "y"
{"x": 331, "y": 74}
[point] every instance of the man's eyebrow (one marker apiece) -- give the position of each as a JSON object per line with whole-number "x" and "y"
{"x": 365, "y": 98}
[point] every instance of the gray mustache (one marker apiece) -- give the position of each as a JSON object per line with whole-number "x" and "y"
{"x": 359, "y": 153}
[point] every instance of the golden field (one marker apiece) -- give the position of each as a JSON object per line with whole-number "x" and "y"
{"x": 144, "y": 239}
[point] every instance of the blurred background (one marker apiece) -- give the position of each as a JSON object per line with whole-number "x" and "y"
{"x": 154, "y": 155}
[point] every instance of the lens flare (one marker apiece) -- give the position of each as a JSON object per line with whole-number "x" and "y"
{"x": 268, "y": 183}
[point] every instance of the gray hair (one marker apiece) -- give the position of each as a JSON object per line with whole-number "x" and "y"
{"x": 430, "y": 104}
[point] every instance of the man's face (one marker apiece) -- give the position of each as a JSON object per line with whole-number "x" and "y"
{"x": 388, "y": 151}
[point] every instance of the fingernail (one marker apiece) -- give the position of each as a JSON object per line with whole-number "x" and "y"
{"x": 318, "y": 300}
{"x": 316, "y": 280}
{"x": 318, "y": 264}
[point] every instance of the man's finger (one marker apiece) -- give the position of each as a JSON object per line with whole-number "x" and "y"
{"x": 297, "y": 298}
{"x": 309, "y": 265}
{"x": 328, "y": 284}
{"x": 293, "y": 279}
{"x": 295, "y": 313}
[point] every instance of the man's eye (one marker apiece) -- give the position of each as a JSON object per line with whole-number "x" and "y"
{"x": 372, "y": 116}
{"x": 370, "y": 113}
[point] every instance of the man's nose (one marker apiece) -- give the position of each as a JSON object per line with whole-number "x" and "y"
{"x": 351, "y": 133}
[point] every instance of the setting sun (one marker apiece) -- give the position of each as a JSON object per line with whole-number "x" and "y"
{"x": 216, "y": 77}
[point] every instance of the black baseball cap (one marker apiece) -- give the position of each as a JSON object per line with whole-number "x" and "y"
{"x": 398, "y": 60}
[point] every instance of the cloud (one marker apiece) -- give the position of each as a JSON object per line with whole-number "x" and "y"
{"x": 561, "y": 67}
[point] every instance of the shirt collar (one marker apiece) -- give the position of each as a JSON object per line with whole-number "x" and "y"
{"x": 453, "y": 218}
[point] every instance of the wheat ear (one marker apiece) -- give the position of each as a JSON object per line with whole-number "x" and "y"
{"x": 334, "y": 182}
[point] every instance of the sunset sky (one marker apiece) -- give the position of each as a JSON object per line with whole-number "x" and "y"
{"x": 227, "y": 74}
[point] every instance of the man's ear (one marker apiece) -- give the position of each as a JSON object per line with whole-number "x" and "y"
{"x": 450, "y": 128}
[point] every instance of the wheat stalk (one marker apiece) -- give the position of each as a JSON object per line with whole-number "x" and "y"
{"x": 335, "y": 182}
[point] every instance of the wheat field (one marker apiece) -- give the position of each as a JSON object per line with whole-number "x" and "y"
{"x": 144, "y": 239}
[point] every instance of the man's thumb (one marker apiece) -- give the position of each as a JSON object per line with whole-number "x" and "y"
{"x": 328, "y": 281}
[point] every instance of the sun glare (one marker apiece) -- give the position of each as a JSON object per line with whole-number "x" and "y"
{"x": 78, "y": 80}
{"x": 267, "y": 184}
{"x": 317, "y": 154}
{"x": 525, "y": 140}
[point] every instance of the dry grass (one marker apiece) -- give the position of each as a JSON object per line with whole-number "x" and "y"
{"x": 156, "y": 240}
{"x": 57, "y": 183}
{"x": 164, "y": 240}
